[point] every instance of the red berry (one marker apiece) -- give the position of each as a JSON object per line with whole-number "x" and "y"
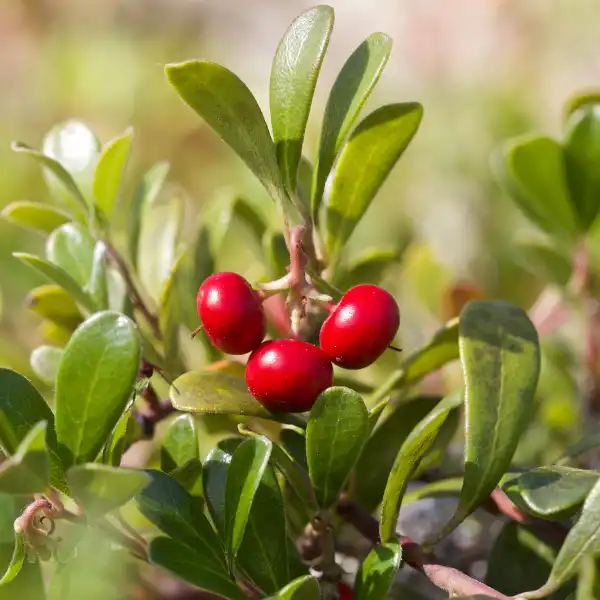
{"x": 345, "y": 592}
{"x": 360, "y": 327}
{"x": 231, "y": 313}
{"x": 288, "y": 375}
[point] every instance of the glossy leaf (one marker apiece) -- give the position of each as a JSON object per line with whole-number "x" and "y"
{"x": 146, "y": 195}
{"x": 228, "y": 107}
{"x": 71, "y": 248}
{"x": 500, "y": 355}
{"x": 363, "y": 165}
{"x": 582, "y": 155}
{"x": 109, "y": 171}
{"x": 551, "y": 492}
{"x": 53, "y": 303}
{"x": 248, "y": 465}
{"x": 380, "y": 451}
{"x": 532, "y": 171}
{"x": 189, "y": 477}
{"x": 348, "y": 95}
{"x": 302, "y": 588}
{"x": 293, "y": 441}
{"x": 214, "y": 478}
{"x": 76, "y": 201}
{"x": 180, "y": 443}
{"x": 264, "y": 554}
{"x": 127, "y": 431}
{"x": 95, "y": 381}
{"x": 97, "y": 285}
{"x": 335, "y": 435}
{"x": 582, "y": 540}
{"x": 100, "y": 489}
{"x": 444, "y": 488}
{"x": 160, "y": 228}
{"x": 44, "y": 361}
{"x": 192, "y": 566}
{"x": 210, "y": 392}
{"x": 21, "y": 407}
{"x": 28, "y": 470}
{"x": 170, "y": 508}
{"x": 378, "y": 571}
{"x": 413, "y": 449}
{"x": 294, "y": 75}
{"x": 16, "y": 562}
{"x": 36, "y": 216}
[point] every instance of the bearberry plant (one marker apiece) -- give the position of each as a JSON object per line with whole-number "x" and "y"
{"x": 231, "y": 461}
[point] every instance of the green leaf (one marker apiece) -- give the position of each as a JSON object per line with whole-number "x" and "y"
{"x": 380, "y": 451}
{"x": 160, "y": 228}
{"x": 189, "y": 477}
{"x": 36, "y": 216}
{"x": 413, "y": 449}
{"x": 378, "y": 571}
{"x": 444, "y": 488}
{"x": 294, "y": 75}
{"x": 109, "y": 171}
{"x": 97, "y": 284}
{"x": 304, "y": 185}
{"x": 363, "y": 165}
{"x": 500, "y": 355}
{"x": 180, "y": 443}
{"x": 369, "y": 267}
{"x": 59, "y": 276}
{"x": 532, "y": 171}
{"x": 146, "y": 195}
{"x": 170, "y": 508}
{"x": 264, "y": 554}
{"x": 21, "y": 407}
{"x": 126, "y": 432}
{"x": 545, "y": 262}
{"x": 191, "y": 566}
{"x": 53, "y": 303}
{"x": 210, "y": 392}
{"x": 551, "y": 492}
{"x": 302, "y": 588}
{"x": 348, "y": 95}
{"x": 214, "y": 478}
{"x": 588, "y": 442}
{"x": 76, "y": 201}
{"x": 335, "y": 435}
{"x": 28, "y": 470}
{"x": 100, "y": 489}
{"x": 582, "y": 540}
{"x": 228, "y": 107}
{"x": 581, "y": 99}
{"x": 582, "y": 154}
{"x": 276, "y": 253}
{"x": 44, "y": 361}
{"x": 248, "y": 465}
{"x": 71, "y": 248}
{"x": 95, "y": 380}
{"x": 519, "y": 560}
{"x": 16, "y": 562}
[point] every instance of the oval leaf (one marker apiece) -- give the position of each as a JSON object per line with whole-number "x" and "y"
{"x": 228, "y": 106}
{"x": 364, "y": 164}
{"x": 294, "y": 75}
{"x": 414, "y": 448}
{"x": 532, "y": 171}
{"x": 100, "y": 489}
{"x": 170, "y": 508}
{"x": 582, "y": 156}
{"x": 551, "y": 492}
{"x": 378, "y": 571}
{"x": 95, "y": 380}
{"x": 353, "y": 86}
{"x": 16, "y": 562}
{"x": 59, "y": 276}
{"x": 248, "y": 465}
{"x": 71, "y": 248}
{"x": 109, "y": 171}
{"x": 180, "y": 443}
{"x": 44, "y": 361}
{"x": 335, "y": 435}
{"x": 302, "y": 588}
{"x": 500, "y": 355}
{"x": 33, "y": 215}
{"x": 53, "y": 303}
{"x": 191, "y": 566}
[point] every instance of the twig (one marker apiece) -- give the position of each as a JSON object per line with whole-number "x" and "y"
{"x": 447, "y": 578}
{"x": 154, "y": 411}
{"x": 136, "y": 297}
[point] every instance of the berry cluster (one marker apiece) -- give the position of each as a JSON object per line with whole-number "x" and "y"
{"x": 289, "y": 374}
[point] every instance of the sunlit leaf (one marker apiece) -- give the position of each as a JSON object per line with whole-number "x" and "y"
{"x": 32, "y": 215}
{"x": 378, "y": 571}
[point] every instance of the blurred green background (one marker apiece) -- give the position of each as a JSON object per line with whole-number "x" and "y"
{"x": 483, "y": 69}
